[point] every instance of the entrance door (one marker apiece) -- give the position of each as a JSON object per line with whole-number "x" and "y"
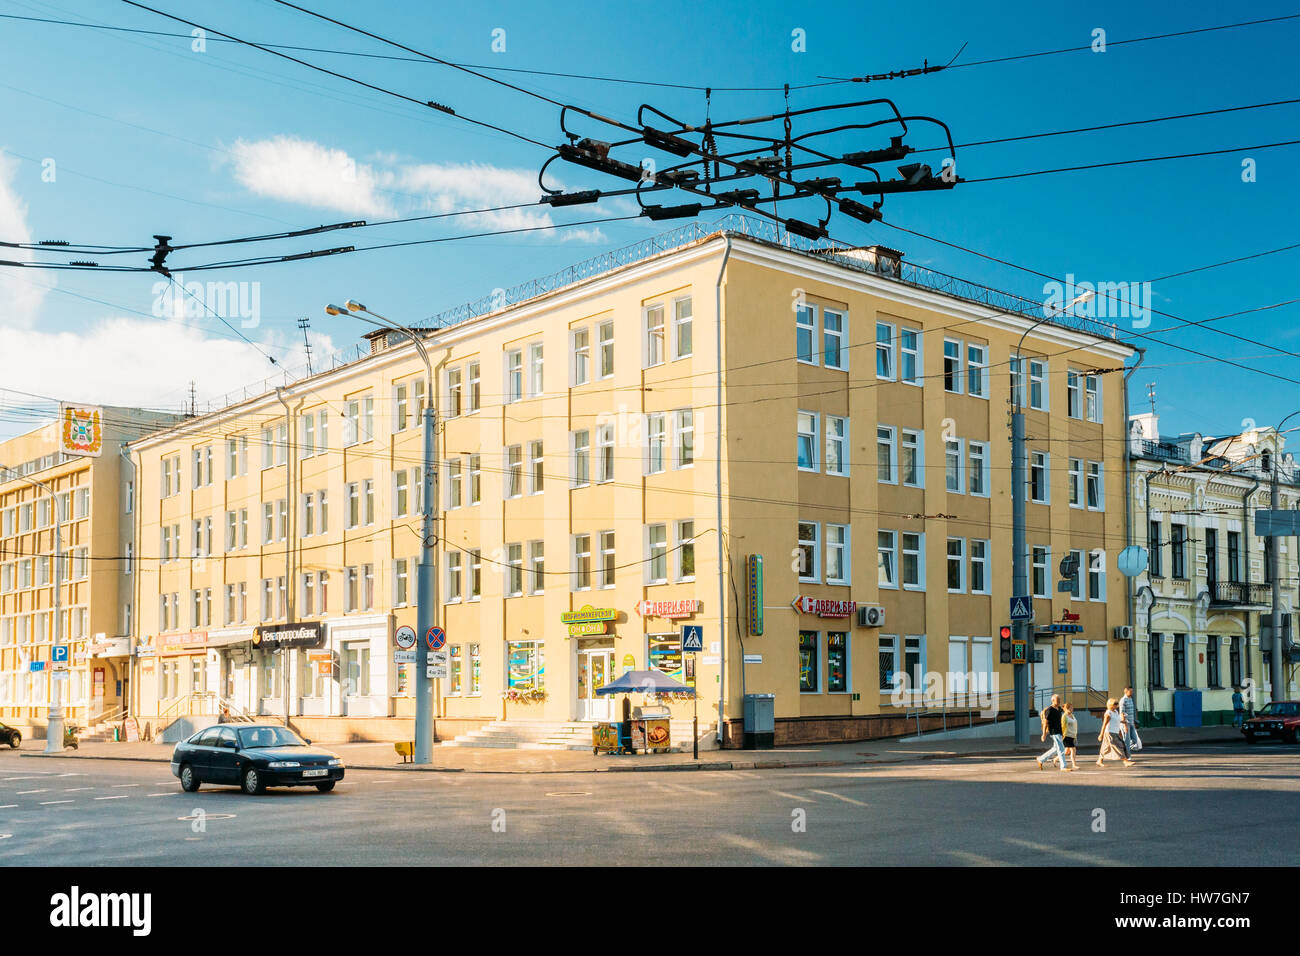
{"x": 595, "y": 669}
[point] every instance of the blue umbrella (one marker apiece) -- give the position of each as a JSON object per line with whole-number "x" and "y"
{"x": 645, "y": 682}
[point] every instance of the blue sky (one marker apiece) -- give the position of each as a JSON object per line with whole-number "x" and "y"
{"x": 232, "y": 141}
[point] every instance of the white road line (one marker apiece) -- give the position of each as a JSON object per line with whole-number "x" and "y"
{"x": 71, "y": 774}
{"x": 974, "y": 859}
{"x": 46, "y": 803}
{"x": 8, "y": 806}
{"x": 791, "y": 796}
{"x": 840, "y": 796}
{"x": 166, "y": 793}
{"x": 120, "y": 796}
{"x": 1066, "y": 854}
{"x": 22, "y": 792}
{"x": 75, "y": 789}
{"x": 128, "y": 785}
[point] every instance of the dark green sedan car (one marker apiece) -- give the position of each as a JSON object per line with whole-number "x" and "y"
{"x": 254, "y": 757}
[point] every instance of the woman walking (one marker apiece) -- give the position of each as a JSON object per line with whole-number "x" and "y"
{"x": 1112, "y": 735}
{"x": 1071, "y": 741}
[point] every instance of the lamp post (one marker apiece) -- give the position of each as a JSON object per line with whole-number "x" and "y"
{"x": 1019, "y": 559}
{"x": 54, "y": 729}
{"x": 1277, "y": 679}
{"x": 427, "y": 580}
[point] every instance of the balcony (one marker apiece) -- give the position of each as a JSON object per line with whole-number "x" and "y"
{"x": 1238, "y": 594}
{"x": 1164, "y": 451}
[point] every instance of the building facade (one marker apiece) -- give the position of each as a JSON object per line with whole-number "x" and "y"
{"x": 611, "y": 452}
{"x": 95, "y": 497}
{"x": 1203, "y": 606}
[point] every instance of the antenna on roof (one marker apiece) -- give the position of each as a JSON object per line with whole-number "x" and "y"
{"x": 1151, "y": 396}
{"x": 191, "y": 413}
{"x": 305, "y": 323}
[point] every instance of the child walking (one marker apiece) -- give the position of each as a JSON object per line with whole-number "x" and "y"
{"x": 1071, "y": 736}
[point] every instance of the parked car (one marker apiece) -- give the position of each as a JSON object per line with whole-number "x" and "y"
{"x": 10, "y": 736}
{"x": 254, "y": 757}
{"x": 1279, "y": 720}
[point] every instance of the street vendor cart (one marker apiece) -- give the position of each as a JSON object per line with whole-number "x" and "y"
{"x": 648, "y": 726}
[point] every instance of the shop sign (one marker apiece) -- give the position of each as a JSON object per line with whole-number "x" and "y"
{"x": 144, "y": 650}
{"x": 306, "y": 634}
{"x": 588, "y": 620}
{"x": 668, "y": 609}
{"x": 114, "y": 647}
{"x": 324, "y": 668}
{"x": 184, "y": 643}
{"x": 586, "y": 628}
{"x": 823, "y": 607}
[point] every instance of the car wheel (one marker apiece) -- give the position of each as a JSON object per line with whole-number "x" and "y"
{"x": 189, "y": 779}
{"x": 253, "y": 781}
{"x": 325, "y": 786}
{"x": 15, "y": 740}
{"x": 1295, "y": 736}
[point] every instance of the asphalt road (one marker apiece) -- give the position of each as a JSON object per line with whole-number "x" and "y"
{"x": 1219, "y": 805}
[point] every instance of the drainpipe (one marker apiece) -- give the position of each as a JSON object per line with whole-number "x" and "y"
{"x": 1128, "y": 511}
{"x": 137, "y": 518}
{"x": 722, "y": 593}
{"x": 1151, "y": 596}
{"x": 125, "y": 452}
{"x": 291, "y": 508}
{"x": 1245, "y": 541}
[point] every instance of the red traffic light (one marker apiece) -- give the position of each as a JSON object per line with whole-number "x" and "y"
{"x": 1005, "y": 632}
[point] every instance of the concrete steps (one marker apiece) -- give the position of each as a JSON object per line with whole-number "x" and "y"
{"x": 560, "y": 735}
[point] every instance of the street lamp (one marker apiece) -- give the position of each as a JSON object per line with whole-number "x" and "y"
{"x": 1276, "y": 678}
{"x": 1019, "y": 559}
{"x": 427, "y": 580}
{"x": 54, "y": 729}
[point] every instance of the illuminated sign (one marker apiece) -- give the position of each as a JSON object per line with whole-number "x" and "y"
{"x": 823, "y": 607}
{"x": 668, "y": 609}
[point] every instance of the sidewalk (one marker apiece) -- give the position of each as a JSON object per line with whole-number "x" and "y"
{"x": 380, "y": 756}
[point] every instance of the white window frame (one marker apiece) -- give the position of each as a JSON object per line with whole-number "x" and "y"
{"x": 983, "y": 562}
{"x": 1078, "y": 490}
{"x": 892, "y": 444}
{"x": 683, "y": 323}
{"x": 959, "y": 444}
{"x": 806, "y": 329}
{"x": 1046, "y": 485}
{"x": 888, "y": 351}
{"x": 837, "y": 445}
{"x": 960, "y": 558}
{"x": 809, "y": 438}
{"x": 683, "y": 438}
{"x": 917, "y": 354}
{"x": 654, "y": 339}
{"x": 844, "y": 547}
{"x": 841, "y": 337}
{"x": 919, "y": 551}
{"x": 977, "y": 371}
{"x": 1039, "y": 380}
{"x": 812, "y": 573}
{"x": 580, "y": 356}
{"x": 954, "y": 368}
{"x": 1100, "y": 475}
{"x": 978, "y": 464}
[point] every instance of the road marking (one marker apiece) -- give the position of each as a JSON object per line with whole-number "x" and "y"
{"x": 1056, "y": 851}
{"x": 791, "y": 796}
{"x": 128, "y": 785}
{"x": 974, "y": 859}
{"x": 120, "y": 796}
{"x": 840, "y": 796}
{"x": 75, "y": 789}
{"x": 71, "y": 774}
{"x": 165, "y": 793}
{"x": 46, "y": 803}
{"x": 22, "y": 792}
{"x": 8, "y": 806}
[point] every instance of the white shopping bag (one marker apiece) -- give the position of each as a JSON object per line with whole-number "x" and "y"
{"x": 1137, "y": 742}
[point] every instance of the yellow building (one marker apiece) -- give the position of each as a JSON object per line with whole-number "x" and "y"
{"x": 96, "y": 497}
{"x": 612, "y": 448}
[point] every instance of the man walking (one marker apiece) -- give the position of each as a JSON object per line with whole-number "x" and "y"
{"x": 1051, "y": 721}
{"x": 1128, "y": 707}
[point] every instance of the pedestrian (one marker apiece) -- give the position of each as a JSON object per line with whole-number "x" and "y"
{"x": 1050, "y": 719}
{"x": 1111, "y": 735}
{"x": 1071, "y": 737}
{"x": 1128, "y": 707}
{"x": 1238, "y": 707}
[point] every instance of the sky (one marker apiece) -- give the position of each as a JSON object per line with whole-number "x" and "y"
{"x": 110, "y": 138}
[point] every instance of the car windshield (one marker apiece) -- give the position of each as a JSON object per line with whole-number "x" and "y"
{"x": 1281, "y": 709}
{"x": 253, "y": 737}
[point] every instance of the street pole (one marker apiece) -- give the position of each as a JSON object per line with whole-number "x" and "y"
{"x": 1277, "y": 679}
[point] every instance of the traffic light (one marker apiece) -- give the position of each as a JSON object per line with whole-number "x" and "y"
{"x": 1004, "y": 644}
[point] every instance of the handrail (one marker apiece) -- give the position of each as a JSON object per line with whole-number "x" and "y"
{"x": 108, "y": 716}
{"x": 236, "y": 713}
{"x": 1093, "y": 698}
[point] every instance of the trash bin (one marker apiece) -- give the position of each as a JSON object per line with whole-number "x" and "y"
{"x": 117, "y": 734}
{"x": 760, "y": 721}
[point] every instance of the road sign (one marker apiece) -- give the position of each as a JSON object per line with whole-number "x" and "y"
{"x": 438, "y": 657}
{"x": 1132, "y": 561}
{"x": 59, "y": 653}
{"x": 1066, "y": 586}
{"x": 1060, "y": 660}
{"x": 1069, "y": 565}
{"x": 405, "y": 637}
{"x": 1277, "y": 524}
{"x": 36, "y": 666}
{"x": 436, "y": 638}
{"x": 436, "y": 671}
{"x": 403, "y": 657}
{"x": 1022, "y": 609}
{"x": 692, "y": 638}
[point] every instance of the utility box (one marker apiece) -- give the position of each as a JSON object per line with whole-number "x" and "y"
{"x": 1187, "y": 708}
{"x": 760, "y": 721}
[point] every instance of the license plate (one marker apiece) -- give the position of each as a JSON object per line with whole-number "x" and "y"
{"x": 314, "y": 773}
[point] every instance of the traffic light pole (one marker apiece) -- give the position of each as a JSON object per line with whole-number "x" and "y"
{"x": 1019, "y": 569}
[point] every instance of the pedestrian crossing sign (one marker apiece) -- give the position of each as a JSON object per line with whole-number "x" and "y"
{"x": 1021, "y": 608}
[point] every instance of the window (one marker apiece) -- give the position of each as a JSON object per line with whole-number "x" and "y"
{"x": 1180, "y": 660}
{"x": 884, "y": 351}
{"x": 805, "y": 334}
{"x": 514, "y": 570}
{"x": 807, "y": 441}
{"x": 682, "y": 332}
{"x": 580, "y": 344}
{"x": 455, "y": 396}
{"x": 977, "y": 371}
{"x": 1096, "y": 492}
{"x": 1076, "y": 586}
{"x": 475, "y": 480}
{"x": 888, "y": 661}
{"x": 913, "y": 561}
{"x": 581, "y": 458}
{"x": 837, "y": 662}
{"x": 1212, "y": 661}
{"x": 1234, "y": 556}
{"x": 1093, "y": 392}
{"x": 885, "y": 454}
{"x": 453, "y": 483}
{"x": 912, "y": 458}
{"x": 956, "y": 565}
{"x": 368, "y": 493}
{"x": 514, "y": 375}
{"x": 536, "y": 567}
{"x": 535, "y": 461}
{"x": 514, "y": 478}
{"x": 654, "y": 336}
{"x": 535, "y": 377}
{"x": 914, "y": 662}
{"x": 809, "y": 548}
{"x": 838, "y": 554}
{"x": 268, "y": 522}
{"x": 1211, "y": 556}
{"x": 953, "y": 463}
{"x": 351, "y": 421}
{"x": 683, "y": 438}
{"x": 979, "y": 566}
{"x": 581, "y": 562}
{"x": 1073, "y": 394}
{"x": 606, "y": 349}
{"x": 909, "y": 356}
{"x": 809, "y": 667}
{"x": 657, "y": 554}
{"x": 1038, "y": 384}
{"x": 978, "y": 453}
{"x": 1038, "y": 572}
{"x": 1178, "y": 550}
{"x": 887, "y": 559}
{"x": 1038, "y": 477}
{"x": 655, "y": 440}
{"x": 453, "y": 564}
{"x": 475, "y": 392}
{"x": 475, "y": 575}
{"x": 401, "y": 499}
{"x": 834, "y": 353}
{"x": 352, "y": 492}
{"x": 1234, "y": 662}
{"x": 1076, "y": 481}
{"x": 1096, "y": 575}
{"x": 952, "y": 377}
{"x": 607, "y": 559}
{"x": 1155, "y": 554}
{"x": 837, "y": 445}
{"x": 605, "y": 453}
{"x": 686, "y": 550}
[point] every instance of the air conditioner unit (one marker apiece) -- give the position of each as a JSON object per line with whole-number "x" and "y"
{"x": 871, "y": 615}
{"x": 1124, "y": 632}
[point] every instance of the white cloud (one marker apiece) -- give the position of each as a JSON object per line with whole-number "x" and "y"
{"x": 296, "y": 170}
{"x": 21, "y": 290}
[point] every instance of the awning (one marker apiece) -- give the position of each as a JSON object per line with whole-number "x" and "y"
{"x": 645, "y": 682}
